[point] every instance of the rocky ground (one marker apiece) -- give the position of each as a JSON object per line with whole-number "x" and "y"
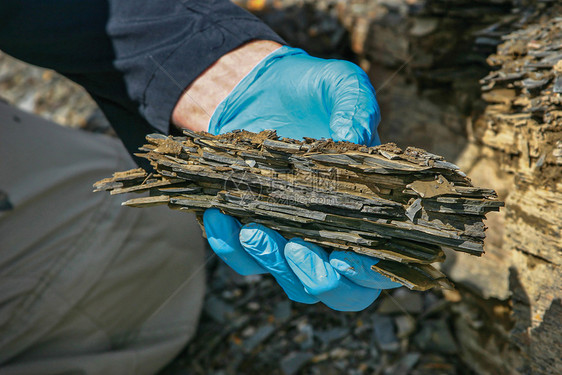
{"x": 250, "y": 327}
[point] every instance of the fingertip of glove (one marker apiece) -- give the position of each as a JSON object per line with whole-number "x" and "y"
{"x": 250, "y": 232}
{"x": 294, "y": 249}
{"x": 343, "y": 267}
{"x": 347, "y": 263}
{"x": 357, "y": 267}
{"x": 256, "y": 237}
{"x": 298, "y": 249}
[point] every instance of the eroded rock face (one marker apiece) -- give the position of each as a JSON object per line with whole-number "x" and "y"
{"x": 519, "y": 143}
{"x": 518, "y": 147}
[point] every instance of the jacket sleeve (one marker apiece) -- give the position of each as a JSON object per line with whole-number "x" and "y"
{"x": 134, "y": 57}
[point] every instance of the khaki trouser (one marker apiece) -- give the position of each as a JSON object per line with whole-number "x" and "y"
{"x": 87, "y": 286}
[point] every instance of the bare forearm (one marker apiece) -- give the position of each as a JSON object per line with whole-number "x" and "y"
{"x": 197, "y": 104}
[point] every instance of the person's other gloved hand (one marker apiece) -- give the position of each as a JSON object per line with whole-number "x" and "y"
{"x": 343, "y": 280}
{"x": 299, "y": 96}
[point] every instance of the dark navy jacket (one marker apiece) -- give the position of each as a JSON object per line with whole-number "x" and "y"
{"x": 134, "y": 57}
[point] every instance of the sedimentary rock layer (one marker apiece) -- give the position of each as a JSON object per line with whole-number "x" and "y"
{"x": 401, "y": 206}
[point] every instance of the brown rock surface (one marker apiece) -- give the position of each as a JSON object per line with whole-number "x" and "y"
{"x": 399, "y": 206}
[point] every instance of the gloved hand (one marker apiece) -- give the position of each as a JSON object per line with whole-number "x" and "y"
{"x": 299, "y": 95}
{"x": 302, "y": 96}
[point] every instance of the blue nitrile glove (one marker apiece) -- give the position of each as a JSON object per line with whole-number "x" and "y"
{"x": 299, "y": 95}
{"x": 302, "y": 96}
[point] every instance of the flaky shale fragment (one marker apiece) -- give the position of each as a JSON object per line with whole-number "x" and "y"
{"x": 399, "y": 206}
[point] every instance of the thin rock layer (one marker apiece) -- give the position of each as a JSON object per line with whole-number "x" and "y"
{"x": 401, "y": 206}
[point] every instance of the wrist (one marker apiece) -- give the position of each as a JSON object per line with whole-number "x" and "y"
{"x": 200, "y": 99}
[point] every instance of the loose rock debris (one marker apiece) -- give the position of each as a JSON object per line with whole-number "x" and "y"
{"x": 401, "y": 206}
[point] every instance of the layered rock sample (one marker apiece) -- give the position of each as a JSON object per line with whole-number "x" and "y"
{"x": 401, "y": 206}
